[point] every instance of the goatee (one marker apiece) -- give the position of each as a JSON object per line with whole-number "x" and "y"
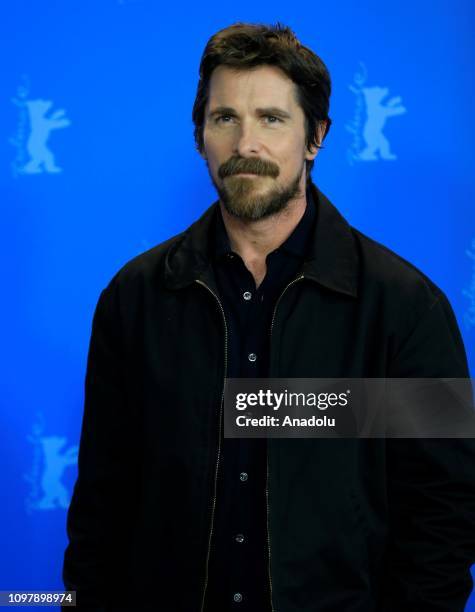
{"x": 240, "y": 194}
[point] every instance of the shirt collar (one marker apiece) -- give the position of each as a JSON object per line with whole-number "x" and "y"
{"x": 296, "y": 243}
{"x": 332, "y": 261}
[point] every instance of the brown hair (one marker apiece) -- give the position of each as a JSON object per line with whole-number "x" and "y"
{"x": 244, "y": 46}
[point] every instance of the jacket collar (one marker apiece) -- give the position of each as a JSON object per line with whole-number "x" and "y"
{"x": 332, "y": 260}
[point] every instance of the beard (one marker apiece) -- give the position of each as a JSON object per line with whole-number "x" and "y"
{"x": 246, "y": 197}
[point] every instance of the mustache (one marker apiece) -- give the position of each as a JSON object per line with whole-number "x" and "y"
{"x": 249, "y": 165}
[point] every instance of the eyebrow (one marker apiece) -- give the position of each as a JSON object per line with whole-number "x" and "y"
{"x": 270, "y": 110}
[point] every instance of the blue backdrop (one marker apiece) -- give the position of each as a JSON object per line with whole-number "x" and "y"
{"x": 97, "y": 164}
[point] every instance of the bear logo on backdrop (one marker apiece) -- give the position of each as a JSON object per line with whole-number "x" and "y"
{"x": 469, "y": 292}
{"x": 51, "y": 457}
{"x": 34, "y": 126}
{"x": 371, "y": 113}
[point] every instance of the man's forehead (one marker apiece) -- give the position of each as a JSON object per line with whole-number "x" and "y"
{"x": 266, "y": 85}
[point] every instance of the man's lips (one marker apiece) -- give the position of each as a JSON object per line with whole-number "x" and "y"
{"x": 245, "y": 174}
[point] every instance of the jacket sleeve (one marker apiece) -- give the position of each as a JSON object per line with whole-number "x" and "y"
{"x": 99, "y": 516}
{"x": 431, "y": 486}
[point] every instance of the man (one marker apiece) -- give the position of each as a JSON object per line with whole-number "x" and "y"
{"x": 271, "y": 281}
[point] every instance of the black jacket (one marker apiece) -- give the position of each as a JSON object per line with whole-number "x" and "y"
{"x": 354, "y": 525}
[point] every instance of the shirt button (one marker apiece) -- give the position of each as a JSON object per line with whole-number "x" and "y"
{"x": 243, "y": 476}
{"x": 237, "y": 597}
{"x": 252, "y": 356}
{"x": 239, "y": 538}
{"x": 247, "y": 295}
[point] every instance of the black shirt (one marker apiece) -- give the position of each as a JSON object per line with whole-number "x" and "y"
{"x": 238, "y": 577}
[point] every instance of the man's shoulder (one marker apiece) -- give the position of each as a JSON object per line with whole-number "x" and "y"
{"x": 382, "y": 274}
{"x": 386, "y": 272}
{"x": 148, "y": 268}
{"x": 145, "y": 268}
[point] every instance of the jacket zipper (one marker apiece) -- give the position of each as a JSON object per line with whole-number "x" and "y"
{"x": 267, "y": 450}
{"x": 219, "y": 438}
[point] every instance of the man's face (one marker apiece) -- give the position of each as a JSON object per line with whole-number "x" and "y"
{"x": 254, "y": 140}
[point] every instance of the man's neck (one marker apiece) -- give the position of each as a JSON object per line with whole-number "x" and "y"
{"x": 254, "y": 240}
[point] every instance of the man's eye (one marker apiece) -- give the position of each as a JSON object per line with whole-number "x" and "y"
{"x": 227, "y": 118}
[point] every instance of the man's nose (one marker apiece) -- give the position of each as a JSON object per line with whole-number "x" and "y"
{"x": 247, "y": 140}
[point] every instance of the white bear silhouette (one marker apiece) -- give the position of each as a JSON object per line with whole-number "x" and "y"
{"x": 55, "y": 493}
{"x": 377, "y": 113}
{"x": 41, "y": 126}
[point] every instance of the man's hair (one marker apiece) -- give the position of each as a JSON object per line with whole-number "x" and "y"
{"x": 244, "y": 46}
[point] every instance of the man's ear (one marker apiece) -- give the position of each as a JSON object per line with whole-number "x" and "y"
{"x": 320, "y": 131}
